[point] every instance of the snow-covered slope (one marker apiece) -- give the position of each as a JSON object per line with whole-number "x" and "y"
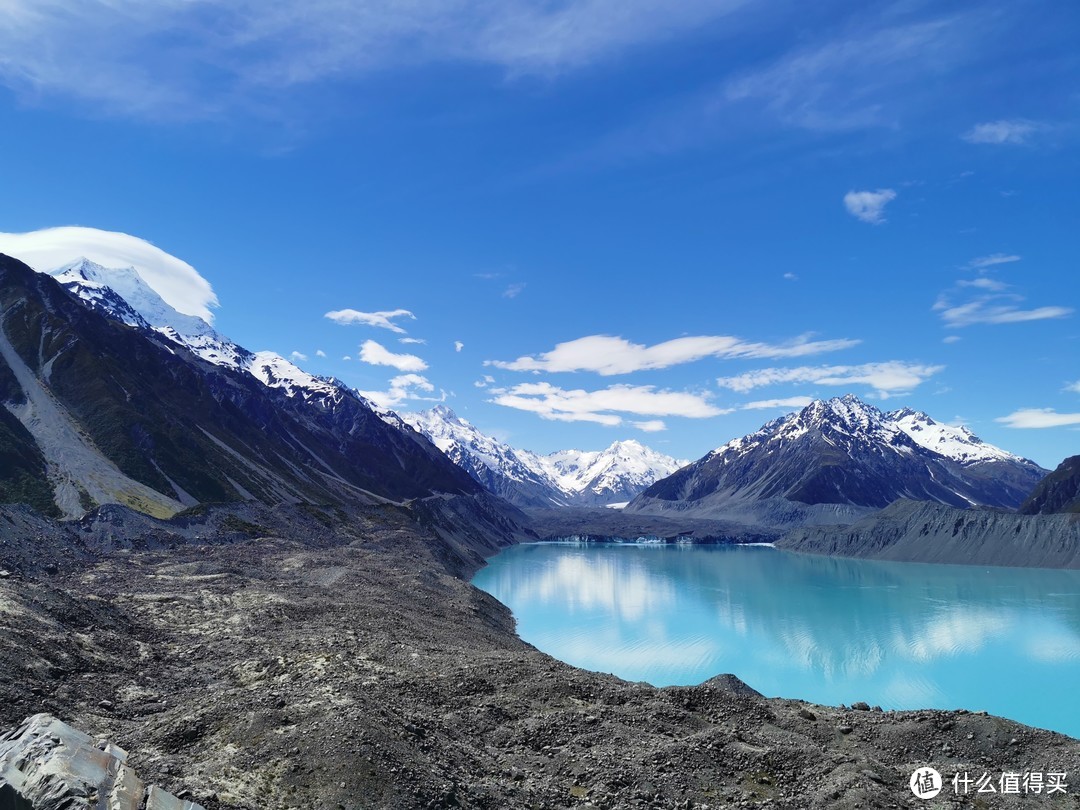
{"x": 568, "y": 477}
{"x": 957, "y": 443}
{"x": 614, "y": 475}
{"x": 122, "y": 293}
{"x": 499, "y": 467}
{"x": 844, "y": 451}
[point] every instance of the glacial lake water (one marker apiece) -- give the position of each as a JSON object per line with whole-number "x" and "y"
{"x": 822, "y": 629}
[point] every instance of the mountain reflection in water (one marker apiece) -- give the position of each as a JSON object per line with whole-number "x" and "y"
{"x": 823, "y": 629}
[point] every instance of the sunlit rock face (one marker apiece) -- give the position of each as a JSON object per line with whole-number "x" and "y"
{"x": 46, "y": 764}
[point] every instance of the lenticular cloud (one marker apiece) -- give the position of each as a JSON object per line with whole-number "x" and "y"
{"x": 173, "y": 279}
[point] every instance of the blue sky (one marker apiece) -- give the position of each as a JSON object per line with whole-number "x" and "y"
{"x": 639, "y": 222}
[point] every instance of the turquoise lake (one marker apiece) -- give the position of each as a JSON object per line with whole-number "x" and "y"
{"x": 822, "y": 629}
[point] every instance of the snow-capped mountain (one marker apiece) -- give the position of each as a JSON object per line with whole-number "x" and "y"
{"x": 103, "y": 404}
{"x": 611, "y": 476}
{"x": 564, "y": 478}
{"x": 122, "y": 294}
{"x": 499, "y": 467}
{"x": 844, "y": 451}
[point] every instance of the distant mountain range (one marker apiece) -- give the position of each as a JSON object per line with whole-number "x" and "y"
{"x": 111, "y": 395}
{"x": 115, "y": 397}
{"x": 564, "y": 478}
{"x": 847, "y": 453}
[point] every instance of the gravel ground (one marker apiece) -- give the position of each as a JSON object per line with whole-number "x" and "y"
{"x": 297, "y": 658}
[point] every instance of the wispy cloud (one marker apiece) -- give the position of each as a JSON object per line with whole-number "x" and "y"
{"x": 607, "y": 355}
{"x": 404, "y": 388}
{"x": 412, "y": 341}
{"x": 177, "y": 58}
{"x": 297, "y": 357}
{"x": 869, "y": 206}
{"x": 176, "y": 281}
{"x": 382, "y": 320}
{"x": 768, "y": 404}
{"x": 1074, "y": 387}
{"x": 1011, "y": 131}
{"x": 853, "y": 80}
{"x": 982, "y": 262}
{"x": 983, "y": 283}
{"x": 320, "y": 353}
{"x": 458, "y": 345}
{"x": 514, "y": 290}
{"x": 996, "y": 306}
{"x": 886, "y": 379}
{"x": 378, "y": 355}
{"x": 650, "y": 425}
{"x": 604, "y": 406}
{"x": 1038, "y": 418}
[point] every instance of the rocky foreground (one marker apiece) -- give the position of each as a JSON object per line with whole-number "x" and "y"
{"x": 304, "y": 658}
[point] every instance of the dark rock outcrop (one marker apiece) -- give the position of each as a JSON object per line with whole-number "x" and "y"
{"x": 1058, "y": 492}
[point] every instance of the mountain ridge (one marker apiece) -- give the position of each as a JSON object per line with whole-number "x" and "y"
{"x": 123, "y": 414}
{"x": 844, "y": 451}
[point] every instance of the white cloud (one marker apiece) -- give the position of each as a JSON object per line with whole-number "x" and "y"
{"x": 1013, "y": 131}
{"x": 176, "y": 281}
{"x": 650, "y": 425}
{"x": 514, "y": 290}
{"x": 790, "y": 402}
{"x": 790, "y": 277}
{"x": 1039, "y": 418}
{"x": 990, "y": 309}
{"x": 886, "y": 379}
{"x": 1074, "y": 387}
{"x": 951, "y": 339}
{"x": 320, "y": 353}
{"x": 185, "y": 59}
{"x": 603, "y": 406}
{"x": 378, "y": 355}
{"x": 412, "y": 340}
{"x": 607, "y": 355}
{"x": 347, "y": 357}
{"x": 458, "y": 345}
{"x": 403, "y": 388}
{"x": 382, "y": 320}
{"x": 869, "y": 206}
{"x": 485, "y": 382}
{"x": 982, "y": 262}
{"x": 297, "y": 357}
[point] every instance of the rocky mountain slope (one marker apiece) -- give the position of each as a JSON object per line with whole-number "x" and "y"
{"x": 847, "y": 453}
{"x": 264, "y": 659}
{"x": 913, "y": 531}
{"x": 1058, "y": 492}
{"x": 102, "y": 405}
{"x": 564, "y": 478}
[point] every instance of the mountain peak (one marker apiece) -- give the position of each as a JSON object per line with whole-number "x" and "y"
{"x": 843, "y": 450}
